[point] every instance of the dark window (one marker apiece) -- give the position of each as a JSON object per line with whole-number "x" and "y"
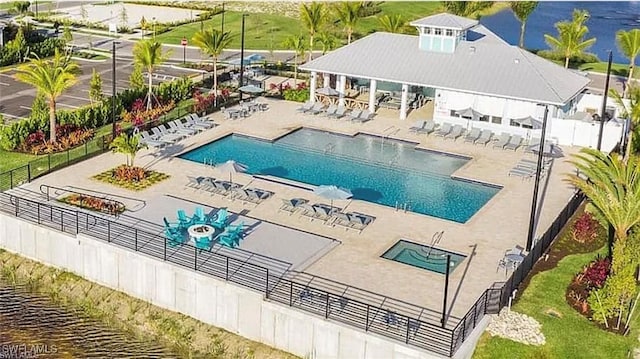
{"x": 496, "y": 119}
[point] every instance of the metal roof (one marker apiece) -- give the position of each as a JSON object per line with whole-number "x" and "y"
{"x": 486, "y": 65}
{"x": 445, "y": 20}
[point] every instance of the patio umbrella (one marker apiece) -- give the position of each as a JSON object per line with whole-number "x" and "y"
{"x": 332, "y": 192}
{"x": 529, "y": 121}
{"x": 251, "y": 89}
{"x": 549, "y": 149}
{"x": 327, "y": 91}
{"x": 231, "y": 167}
{"x": 469, "y": 112}
{"x": 247, "y": 60}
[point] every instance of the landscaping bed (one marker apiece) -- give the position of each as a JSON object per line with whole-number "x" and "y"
{"x": 94, "y": 203}
{"x": 131, "y": 178}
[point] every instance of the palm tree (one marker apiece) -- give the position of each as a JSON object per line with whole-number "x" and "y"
{"x": 522, "y": 10}
{"x": 570, "y": 41}
{"x": 129, "y": 145}
{"x": 392, "y": 23}
{"x": 313, "y": 16}
{"x": 629, "y": 44}
{"x": 213, "y": 42}
{"x": 327, "y": 42}
{"x": 148, "y": 54}
{"x": 612, "y": 186}
{"x": 631, "y": 111}
{"x": 296, "y": 43}
{"x": 51, "y": 78}
{"x": 348, "y": 13}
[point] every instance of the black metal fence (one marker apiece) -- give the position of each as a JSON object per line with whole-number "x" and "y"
{"x": 540, "y": 247}
{"x": 50, "y": 162}
{"x": 387, "y": 317}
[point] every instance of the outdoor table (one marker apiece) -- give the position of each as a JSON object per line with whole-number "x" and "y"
{"x": 200, "y": 231}
{"x": 514, "y": 259}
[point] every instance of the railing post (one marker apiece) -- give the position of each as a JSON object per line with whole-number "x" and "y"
{"x": 86, "y": 149}
{"x": 109, "y": 231}
{"x": 29, "y": 172}
{"x": 267, "y": 285}
{"x": 38, "y": 212}
{"x": 366, "y": 325}
{"x": 406, "y": 340}
{"x": 10, "y": 179}
{"x": 68, "y": 154}
{"x": 290, "y": 293}
{"x": 62, "y": 220}
{"x": 326, "y": 310}
{"x": 226, "y": 270}
{"x": 165, "y": 249}
{"x": 195, "y": 258}
{"x": 135, "y": 234}
{"x": 49, "y": 162}
{"x": 77, "y": 222}
{"x": 17, "y": 205}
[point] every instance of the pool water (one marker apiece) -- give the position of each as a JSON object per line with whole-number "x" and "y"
{"x": 383, "y": 171}
{"x": 423, "y": 256}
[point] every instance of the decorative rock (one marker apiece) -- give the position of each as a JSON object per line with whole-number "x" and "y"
{"x": 553, "y": 313}
{"x": 517, "y": 327}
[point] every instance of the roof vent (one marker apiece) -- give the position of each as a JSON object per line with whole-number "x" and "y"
{"x": 517, "y": 61}
{"x": 472, "y": 49}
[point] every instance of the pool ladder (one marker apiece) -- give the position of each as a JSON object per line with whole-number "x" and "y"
{"x": 403, "y": 206}
{"x": 208, "y": 162}
{"x": 329, "y": 148}
{"x": 435, "y": 240}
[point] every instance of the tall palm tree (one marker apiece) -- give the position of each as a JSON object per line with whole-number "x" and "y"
{"x": 327, "y": 42}
{"x": 348, "y": 13}
{"x": 522, "y": 10}
{"x": 631, "y": 111}
{"x": 212, "y": 42}
{"x": 313, "y": 16}
{"x": 629, "y": 44}
{"x": 612, "y": 186}
{"x": 148, "y": 54}
{"x": 570, "y": 41}
{"x": 392, "y": 23}
{"x": 128, "y": 145}
{"x": 298, "y": 44}
{"x": 50, "y": 78}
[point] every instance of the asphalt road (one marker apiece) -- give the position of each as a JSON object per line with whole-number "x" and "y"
{"x": 17, "y": 97}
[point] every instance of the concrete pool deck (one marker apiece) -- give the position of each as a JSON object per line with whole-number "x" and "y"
{"x": 500, "y": 225}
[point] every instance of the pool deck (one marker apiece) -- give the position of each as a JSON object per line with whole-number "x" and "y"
{"x": 500, "y": 225}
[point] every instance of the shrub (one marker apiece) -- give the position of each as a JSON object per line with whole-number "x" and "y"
{"x": 596, "y": 273}
{"x": 139, "y": 116}
{"x": 299, "y": 94}
{"x": 575, "y": 60}
{"x": 585, "y": 229}
{"x": 202, "y": 103}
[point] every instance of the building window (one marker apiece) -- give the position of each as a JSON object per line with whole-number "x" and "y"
{"x": 496, "y": 120}
{"x": 454, "y": 113}
{"x": 437, "y": 31}
{"x": 484, "y": 118}
{"x": 427, "y": 30}
{"x": 449, "y": 32}
{"x": 514, "y": 123}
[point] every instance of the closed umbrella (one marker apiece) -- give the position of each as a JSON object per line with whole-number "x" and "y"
{"x": 327, "y": 91}
{"x": 231, "y": 167}
{"x": 332, "y": 192}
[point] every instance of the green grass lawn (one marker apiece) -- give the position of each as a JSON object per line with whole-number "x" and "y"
{"x": 571, "y": 336}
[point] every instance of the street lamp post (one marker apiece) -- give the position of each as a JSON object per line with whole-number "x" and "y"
{"x": 242, "y": 55}
{"x": 184, "y": 50}
{"x": 604, "y": 101}
{"x": 154, "y": 27}
{"x": 222, "y": 28}
{"x": 536, "y": 185}
{"x": 113, "y": 89}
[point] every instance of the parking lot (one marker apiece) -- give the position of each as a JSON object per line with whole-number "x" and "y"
{"x": 16, "y": 97}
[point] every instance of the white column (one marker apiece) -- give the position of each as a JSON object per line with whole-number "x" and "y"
{"x": 372, "y": 95}
{"x": 341, "y": 88}
{"x": 326, "y": 80}
{"x": 403, "y": 102}
{"x": 312, "y": 87}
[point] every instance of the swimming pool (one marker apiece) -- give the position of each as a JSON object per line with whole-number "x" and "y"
{"x": 383, "y": 171}
{"x": 423, "y": 256}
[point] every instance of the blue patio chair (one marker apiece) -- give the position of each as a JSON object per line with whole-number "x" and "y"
{"x": 203, "y": 243}
{"x": 221, "y": 219}
{"x": 183, "y": 219}
{"x": 228, "y": 240}
{"x": 199, "y": 217}
{"x": 174, "y": 234}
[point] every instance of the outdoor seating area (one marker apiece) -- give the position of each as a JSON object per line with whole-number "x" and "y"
{"x": 212, "y": 185}
{"x": 327, "y": 214}
{"x": 162, "y": 135}
{"x": 511, "y": 260}
{"x": 251, "y": 195}
{"x": 202, "y": 230}
{"x": 526, "y": 168}
{"x": 336, "y": 111}
{"x": 245, "y": 109}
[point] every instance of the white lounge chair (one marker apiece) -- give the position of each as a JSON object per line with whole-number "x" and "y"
{"x": 355, "y": 113}
{"x": 485, "y": 137}
{"x": 340, "y": 112}
{"x": 514, "y": 142}
{"x": 455, "y": 132}
{"x": 444, "y": 130}
{"x": 502, "y": 140}
{"x": 305, "y": 107}
{"x": 429, "y": 127}
{"x": 473, "y": 135}
{"x": 364, "y": 116}
{"x": 417, "y": 126}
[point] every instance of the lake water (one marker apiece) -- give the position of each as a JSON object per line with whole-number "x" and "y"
{"x": 606, "y": 19}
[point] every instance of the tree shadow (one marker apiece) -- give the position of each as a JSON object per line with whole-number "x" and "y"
{"x": 367, "y": 194}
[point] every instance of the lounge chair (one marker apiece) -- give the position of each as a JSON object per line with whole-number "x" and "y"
{"x": 195, "y": 182}
{"x": 364, "y": 116}
{"x": 183, "y": 131}
{"x": 316, "y": 109}
{"x": 360, "y": 220}
{"x": 292, "y": 205}
{"x": 185, "y": 221}
{"x": 455, "y": 132}
{"x": 354, "y": 114}
{"x": 174, "y": 234}
{"x": 417, "y": 126}
{"x": 325, "y": 212}
{"x": 166, "y": 132}
{"x": 232, "y": 235}
{"x": 514, "y": 142}
{"x": 197, "y": 121}
{"x": 305, "y": 107}
{"x": 502, "y": 140}
{"x": 146, "y": 138}
{"x": 522, "y": 172}
{"x": 485, "y": 137}
{"x": 221, "y": 218}
{"x": 330, "y": 110}
{"x": 340, "y": 112}
{"x": 429, "y": 127}
{"x": 191, "y": 126}
{"x": 257, "y": 195}
{"x": 309, "y": 211}
{"x": 342, "y": 219}
{"x": 170, "y": 138}
{"x": 473, "y": 135}
{"x": 444, "y": 130}
{"x": 199, "y": 217}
